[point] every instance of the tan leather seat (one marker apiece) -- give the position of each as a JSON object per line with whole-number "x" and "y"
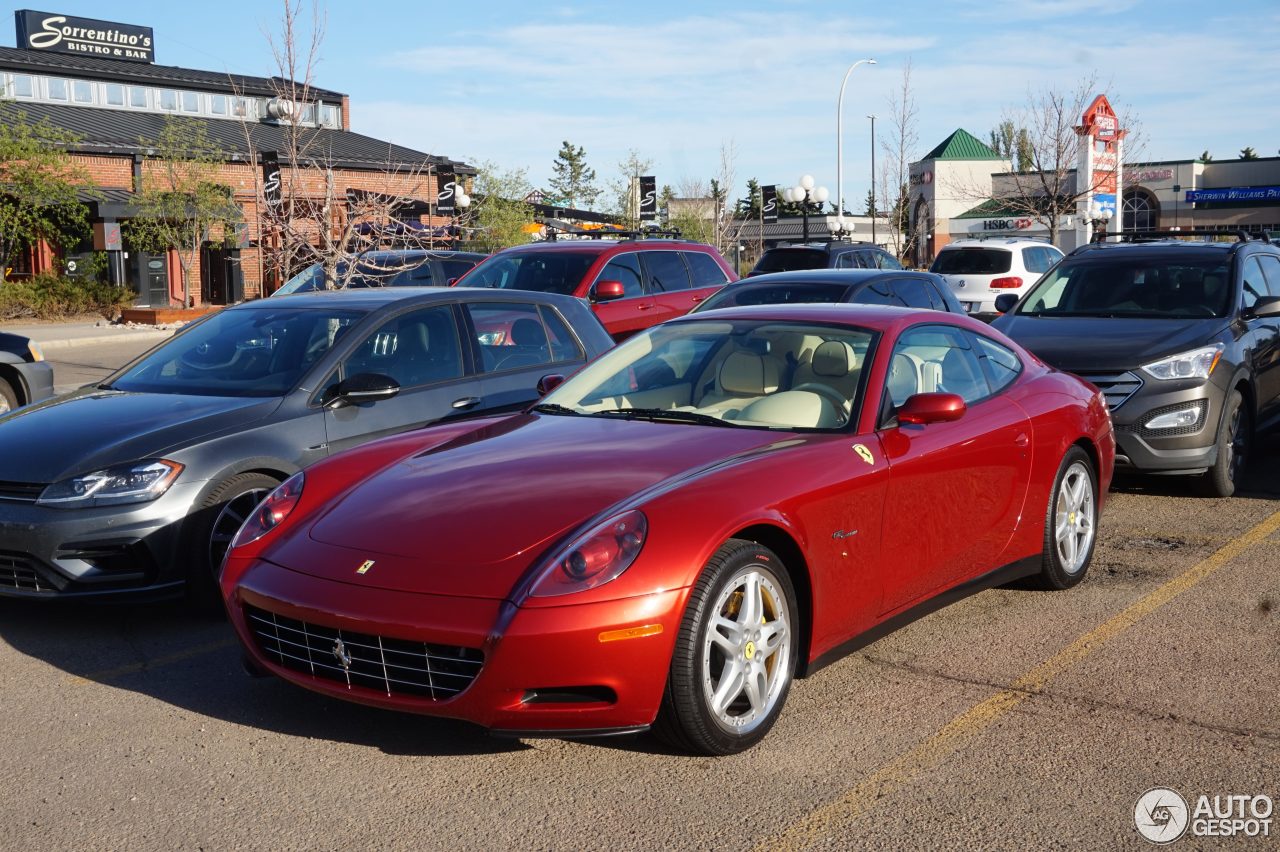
{"x": 743, "y": 377}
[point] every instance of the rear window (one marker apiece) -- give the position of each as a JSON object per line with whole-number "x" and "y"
{"x": 774, "y": 294}
{"x": 785, "y": 260}
{"x": 972, "y": 261}
{"x": 546, "y": 272}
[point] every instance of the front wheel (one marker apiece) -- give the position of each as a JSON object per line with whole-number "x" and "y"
{"x": 1070, "y": 524}
{"x": 1234, "y": 434}
{"x": 212, "y": 527}
{"x": 8, "y": 397}
{"x": 735, "y": 654}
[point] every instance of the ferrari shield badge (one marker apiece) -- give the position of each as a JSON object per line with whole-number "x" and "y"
{"x": 864, "y": 453}
{"x": 364, "y": 568}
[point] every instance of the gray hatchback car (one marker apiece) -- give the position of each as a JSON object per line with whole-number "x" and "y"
{"x": 134, "y": 487}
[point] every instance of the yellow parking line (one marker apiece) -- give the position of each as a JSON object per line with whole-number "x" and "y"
{"x": 831, "y": 818}
{"x": 134, "y": 668}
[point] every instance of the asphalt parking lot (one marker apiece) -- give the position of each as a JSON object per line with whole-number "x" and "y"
{"x": 1012, "y": 720}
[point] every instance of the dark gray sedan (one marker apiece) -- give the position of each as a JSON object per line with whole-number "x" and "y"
{"x": 134, "y": 487}
{"x": 897, "y": 287}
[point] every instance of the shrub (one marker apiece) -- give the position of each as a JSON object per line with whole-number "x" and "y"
{"x": 52, "y": 297}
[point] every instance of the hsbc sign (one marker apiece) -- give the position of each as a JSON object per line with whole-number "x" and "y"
{"x": 1020, "y": 224}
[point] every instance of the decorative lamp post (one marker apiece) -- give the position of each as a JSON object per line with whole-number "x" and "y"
{"x": 461, "y": 201}
{"x": 840, "y": 136}
{"x": 806, "y": 194}
{"x": 1099, "y": 218}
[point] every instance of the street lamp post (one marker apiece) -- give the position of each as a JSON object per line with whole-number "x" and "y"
{"x": 804, "y": 194}
{"x": 1098, "y": 220}
{"x": 873, "y": 178}
{"x": 840, "y": 138}
{"x": 462, "y": 201}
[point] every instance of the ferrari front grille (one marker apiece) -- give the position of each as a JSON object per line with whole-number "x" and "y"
{"x": 392, "y": 666}
{"x": 1115, "y": 387}
{"x": 18, "y": 573}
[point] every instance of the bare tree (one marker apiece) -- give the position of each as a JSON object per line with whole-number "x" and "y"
{"x": 899, "y": 144}
{"x": 307, "y": 217}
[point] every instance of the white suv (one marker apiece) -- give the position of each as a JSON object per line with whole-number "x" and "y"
{"x": 979, "y": 270}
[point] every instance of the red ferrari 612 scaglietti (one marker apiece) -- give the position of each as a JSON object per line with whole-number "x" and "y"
{"x": 722, "y": 503}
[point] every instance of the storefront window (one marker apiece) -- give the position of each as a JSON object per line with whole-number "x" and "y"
{"x": 57, "y": 88}
{"x": 115, "y": 94}
{"x": 138, "y": 97}
{"x": 82, "y": 91}
{"x": 1139, "y": 213}
{"x": 190, "y": 102}
{"x": 218, "y": 104}
{"x": 168, "y": 99}
{"x": 329, "y": 116}
{"x": 23, "y": 86}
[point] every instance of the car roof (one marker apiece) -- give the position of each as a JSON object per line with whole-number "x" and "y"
{"x": 875, "y": 317}
{"x": 998, "y": 242}
{"x": 1160, "y": 249}
{"x": 373, "y": 298}
{"x": 827, "y": 276}
{"x": 414, "y": 254}
{"x": 603, "y": 245}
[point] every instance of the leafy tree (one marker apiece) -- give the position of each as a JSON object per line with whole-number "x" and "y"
{"x": 500, "y": 213}
{"x": 183, "y": 204}
{"x": 573, "y": 180}
{"x": 1248, "y": 154}
{"x": 1014, "y": 143}
{"x": 1205, "y": 156}
{"x": 41, "y": 188}
{"x": 626, "y": 189}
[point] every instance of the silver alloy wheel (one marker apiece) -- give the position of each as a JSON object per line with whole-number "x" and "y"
{"x": 228, "y": 523}
{"x": 4, "y": 405}
{"x": 1074, "y": 517}
{"x": 746, "y": 653}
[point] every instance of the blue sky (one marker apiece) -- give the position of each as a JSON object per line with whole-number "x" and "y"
{"x": 506, "y": 82}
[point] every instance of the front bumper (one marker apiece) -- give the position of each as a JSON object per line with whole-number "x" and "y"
{"x": 1170, "y": 451}
{"x": 37, "y": 379}
{"x": 545, "y": 670}
{"x": 119, "y": 552}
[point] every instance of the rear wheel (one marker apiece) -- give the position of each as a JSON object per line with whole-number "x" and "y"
{"x": 212, "y": 527}
{"x": 8, "y": 397}
{"x": 1070, "y": 524}
{"x": 735, "y": 655}
{"x": 1235, "y": 433}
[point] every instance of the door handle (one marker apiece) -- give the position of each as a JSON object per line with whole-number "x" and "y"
{"x": 466, "y": 402}
{"x": 644, "y": 307}
{"x": 697, "y": 299}
{"x": 1022, "y": 440}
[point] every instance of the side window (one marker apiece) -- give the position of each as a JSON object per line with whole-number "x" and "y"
{"x": 704, "y": 270}
{"x": 416, "y": 348}
{"x": 877, "y": 293}
{"x": 1002, "y": 363}
{"x": 1036, "y": 259}
{"x": 624, "y": 268}
{"x": 564, "y": 346}
{"x": 847, "y": 260}
{"x": 912, "y": 291}
{"x": 1255, "y": 284}
{"x": 866, "y": 260}
{"x": 510, "y": 335}
{"x": 935, "y": 295}
{"x": 935, "y": 359}
{"x": 887, "y": 261}
{"x": 1271, "y": 268}
{"x": 667, "y": 272}
{"x": 418, "y": 276}
{"x": 454, "y": 269}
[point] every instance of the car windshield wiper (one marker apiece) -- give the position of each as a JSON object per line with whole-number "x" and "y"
{"x": 553, "y": 408}
{"x": 665, "y": 414}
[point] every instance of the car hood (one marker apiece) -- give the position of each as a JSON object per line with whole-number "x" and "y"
{"x": 89, "y": 429}
{"x": 1089, "y": 344}
{"x": 469, "y": 517}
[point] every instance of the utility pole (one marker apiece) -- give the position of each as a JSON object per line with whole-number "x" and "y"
{"x": 873, "y": 178}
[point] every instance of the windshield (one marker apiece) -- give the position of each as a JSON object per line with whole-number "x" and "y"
{"x": 239, "y": 352}
{"x": 545, "y": 271}
{"x": 785, "y": 260}
{"x": 773, "y": 294}
{"x": 1168, "y": 287}
{"x": 972, "y": 261}
{"x": 741, "y": 373}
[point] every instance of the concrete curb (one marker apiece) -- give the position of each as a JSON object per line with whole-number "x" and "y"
{"x": 48, "y": 346}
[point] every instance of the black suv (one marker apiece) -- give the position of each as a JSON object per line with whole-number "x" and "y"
{"x": 1183, "y": 338}
{"x": 837, "y": 255}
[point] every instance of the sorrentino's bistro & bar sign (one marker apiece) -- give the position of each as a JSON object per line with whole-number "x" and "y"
{"x": 84, "y": 36}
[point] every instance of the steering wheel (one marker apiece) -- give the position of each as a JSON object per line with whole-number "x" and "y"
{"x": 827, "y": 392}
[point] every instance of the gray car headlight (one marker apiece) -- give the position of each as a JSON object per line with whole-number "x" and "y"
{"x": 126, "y": 483}
{"x": 1196, "y": 364}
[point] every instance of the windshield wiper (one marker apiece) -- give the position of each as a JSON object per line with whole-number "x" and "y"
{"x": 553, "y": 408}
{"x": 665, "y": 414}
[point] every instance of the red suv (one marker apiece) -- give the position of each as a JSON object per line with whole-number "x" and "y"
{"x": 631, "y": 284}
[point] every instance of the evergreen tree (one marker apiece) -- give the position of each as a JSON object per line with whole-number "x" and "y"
{"x": 1205, "y": 156}
{"x": 574, "y": 181}
{"x": 1248, "y": 154}
{"x": 871, "y": 203}
{"x": 750, "y": 206}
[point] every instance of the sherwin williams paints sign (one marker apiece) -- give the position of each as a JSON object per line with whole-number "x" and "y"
{"x": 84, "y": 36}
{"x": 1235, "y": 193}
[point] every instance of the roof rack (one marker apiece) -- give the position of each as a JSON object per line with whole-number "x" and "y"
{"x": 556, "y": 227}
{"x": 1240, "y": 234}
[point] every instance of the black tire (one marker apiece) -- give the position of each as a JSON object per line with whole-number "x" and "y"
{"x": 8, "y": 397}
{"x": 1235, "y": 435}
{"x": 1063, "y": 565}
{"x": 210, "y": 528}
{"x": 699, "y": 664}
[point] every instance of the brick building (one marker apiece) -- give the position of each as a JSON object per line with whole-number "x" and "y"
{"x": 113, "y": 100}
